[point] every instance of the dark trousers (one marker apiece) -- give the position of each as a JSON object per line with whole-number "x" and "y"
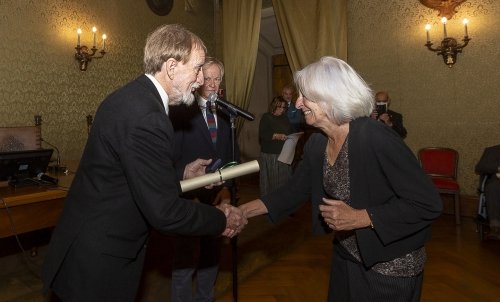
{"x": 352, "y": 282}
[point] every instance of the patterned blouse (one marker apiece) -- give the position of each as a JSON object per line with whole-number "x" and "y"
{"x": 337, "y": 185}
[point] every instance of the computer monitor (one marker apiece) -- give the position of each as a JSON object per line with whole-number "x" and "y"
{"x": 19, "y": 167}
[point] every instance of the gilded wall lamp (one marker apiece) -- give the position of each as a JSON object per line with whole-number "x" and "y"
{"x": 84, "y": 55}
{"x": 449, "y": 47}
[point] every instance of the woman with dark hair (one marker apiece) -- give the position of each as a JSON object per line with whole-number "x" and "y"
{"x": 364, "y": 183}
{"x": 274, "y": 128}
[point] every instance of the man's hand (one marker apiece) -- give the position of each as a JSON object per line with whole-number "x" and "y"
{"x": 384, "y": 117}
{"x": 196, "y": 168}
{"x": 235, "y": 221}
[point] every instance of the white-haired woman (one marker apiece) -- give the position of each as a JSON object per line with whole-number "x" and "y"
{"x": 364, "y": 183}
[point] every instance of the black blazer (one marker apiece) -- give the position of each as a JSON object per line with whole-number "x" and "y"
{"x": 385, "y": 178}
{"x": 125, "y": 185}
{"x": 192, "y": 141}
{"x": 490, "y": 161}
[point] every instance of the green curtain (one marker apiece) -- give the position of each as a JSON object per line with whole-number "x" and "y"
{"x": 241, "y": 28}
{"x": 312, "y": 29}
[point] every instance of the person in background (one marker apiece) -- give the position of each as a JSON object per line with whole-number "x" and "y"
{"x": 274, "y": 128}
{"x": 364, "y": 183}
{"x": 126, "y": 182}
{"x": 193, "y": 140}
{"x": 489, "y": 166}
{"x": 387, "y": 116}
{"x": 295, "y": 116}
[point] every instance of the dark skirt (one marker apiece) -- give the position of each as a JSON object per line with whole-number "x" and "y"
{"x": 352, "y": 282}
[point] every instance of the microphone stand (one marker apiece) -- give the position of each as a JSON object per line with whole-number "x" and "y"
{"x": 57, "y": 168}
{"x": 234, "y": 241}
{"x": 233, "y": 112}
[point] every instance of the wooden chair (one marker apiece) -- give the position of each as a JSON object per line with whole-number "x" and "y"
{"x": 441, "y": 165}
{"x": 20, "y": 138}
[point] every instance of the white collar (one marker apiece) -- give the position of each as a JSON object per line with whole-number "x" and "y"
{"x": 161, "y": 91}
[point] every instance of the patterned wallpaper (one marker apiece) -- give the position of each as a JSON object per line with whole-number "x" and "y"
{"x": 455, "y": 107}
{"x": 39, "y": 75}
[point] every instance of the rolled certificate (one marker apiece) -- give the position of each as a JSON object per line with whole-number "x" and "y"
{"x": 219, "y": 175}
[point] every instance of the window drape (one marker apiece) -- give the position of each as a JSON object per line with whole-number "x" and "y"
{"x": 312, "y": 29}
{"x": 241, "y": 28}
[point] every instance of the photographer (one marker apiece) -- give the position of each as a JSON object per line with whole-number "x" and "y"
{"x": 386, "y": 116}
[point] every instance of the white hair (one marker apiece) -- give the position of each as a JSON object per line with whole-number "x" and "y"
{"x": 337, "y": 88}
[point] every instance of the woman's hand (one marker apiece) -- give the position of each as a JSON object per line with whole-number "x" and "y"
{"x": 280, "y": 136}
{"x": 341, "y": 217}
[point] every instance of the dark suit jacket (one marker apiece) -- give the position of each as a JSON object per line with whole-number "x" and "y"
{"x": 397, "y": 123}
{"x": 385, "y": 178}
{"x": 490, "y": 161}
{"x": 192, "y": 141}
{"x": 125, "y": 185}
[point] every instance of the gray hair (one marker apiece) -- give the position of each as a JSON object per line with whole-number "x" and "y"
{"x": 169, "y": 41}
{"x": 209, "y": 61}
{"x": 337, "y": 88}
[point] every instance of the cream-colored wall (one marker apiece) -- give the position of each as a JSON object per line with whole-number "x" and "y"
{"x": 455, "y": 107}
{"x": 39, "y": 75}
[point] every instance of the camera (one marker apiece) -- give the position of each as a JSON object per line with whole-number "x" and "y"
{"x": 381, "y": 108}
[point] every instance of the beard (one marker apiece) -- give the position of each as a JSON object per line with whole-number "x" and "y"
{"x": 186, "y": 97}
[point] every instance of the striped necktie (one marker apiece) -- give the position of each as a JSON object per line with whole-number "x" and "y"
{"x": 212, "y": 126}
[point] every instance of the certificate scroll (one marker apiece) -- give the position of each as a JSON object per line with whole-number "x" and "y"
{"x": 219, "y": 175}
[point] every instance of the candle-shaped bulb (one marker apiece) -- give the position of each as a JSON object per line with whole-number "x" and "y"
{"x": 78, "y": 32}
{"x": 444, "y": 20}
{"x": 104, "y": 37}
{"x": 427, "y": 28}
{"x": 94, "y": 29}
{"x": 465, "y": 22}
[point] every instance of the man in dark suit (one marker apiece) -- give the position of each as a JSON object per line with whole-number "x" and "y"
{"x": 391, "y": 118}
{"x": 489, "y": 165}
{"x": 194, "y": 140}
{"x": 126, "y": 183}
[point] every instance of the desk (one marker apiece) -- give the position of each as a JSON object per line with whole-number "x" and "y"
{"x": 31, "y": 208}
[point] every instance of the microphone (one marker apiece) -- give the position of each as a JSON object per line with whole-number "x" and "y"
{"x": 46, "y": 178}
{"x": 233, "y": 108}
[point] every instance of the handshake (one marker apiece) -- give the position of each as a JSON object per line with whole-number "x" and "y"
{"x": 235, "y": 220}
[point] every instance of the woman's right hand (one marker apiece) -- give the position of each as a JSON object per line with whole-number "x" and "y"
{"x": 280, "y": 136}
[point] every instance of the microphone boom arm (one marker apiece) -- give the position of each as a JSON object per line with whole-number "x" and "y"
{"x": 231, "y": 107}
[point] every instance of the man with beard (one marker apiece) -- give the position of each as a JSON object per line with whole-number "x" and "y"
{"x": 126, "y": 183}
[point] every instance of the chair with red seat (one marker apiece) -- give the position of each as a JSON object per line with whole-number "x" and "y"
{"x": 441, "y": 165}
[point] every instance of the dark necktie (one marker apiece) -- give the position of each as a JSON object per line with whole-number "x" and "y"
{"x": 212, "y": 127}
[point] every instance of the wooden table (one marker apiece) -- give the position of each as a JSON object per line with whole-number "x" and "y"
{"x": 31, "y": 208}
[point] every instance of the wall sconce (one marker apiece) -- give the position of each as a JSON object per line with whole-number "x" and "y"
{"x": 84, "y": 55}
{"x": 449, "y": 47}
